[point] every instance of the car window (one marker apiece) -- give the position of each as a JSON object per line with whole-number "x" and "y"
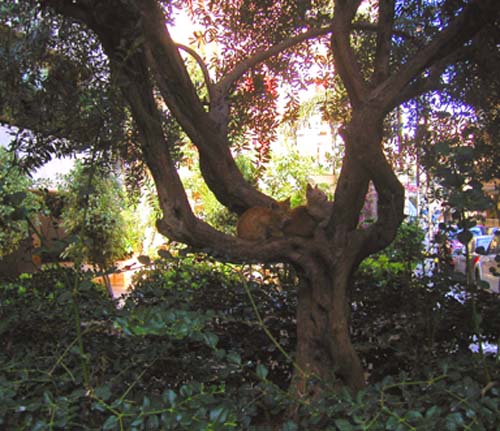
{"x": 483, "y": 242}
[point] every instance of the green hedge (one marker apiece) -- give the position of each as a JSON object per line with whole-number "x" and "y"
{"x": 187, "y": 352}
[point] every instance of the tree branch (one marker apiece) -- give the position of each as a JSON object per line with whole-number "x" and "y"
{"x": 203, "y": 67}
{"x": 384, "y": 40}
{"x": 452, "y": 38}
{"x": 225, "y": 84}
{"x": 431, "y": 82}
{"x": 345, "y": 59}
{"x": 208, "y": 133}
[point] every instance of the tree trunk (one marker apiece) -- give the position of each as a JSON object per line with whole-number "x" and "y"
{"x": 325, "y": 355}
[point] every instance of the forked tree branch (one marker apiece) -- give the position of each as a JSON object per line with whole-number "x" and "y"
{"x": 222, "y": 88}
{"x": 451, "y": 39}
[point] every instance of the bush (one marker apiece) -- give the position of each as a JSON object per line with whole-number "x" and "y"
{"x": 452, "y": 395}
{"x": 187, "y": 351}
{"x": 17, "y": 204}
{"x": 199, "y": 286}
{"x": 401, "y": 320}
{"x": 93, "y": 215}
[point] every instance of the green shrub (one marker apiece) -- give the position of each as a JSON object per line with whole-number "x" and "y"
{"x": 451, "y": 396}
{"x": 397, "y": 262}
{"x": 93, "y": 215}
{"x": 187, "y": 352}
{"x": 401, "y": 320}
{"x": 199, "y": 286}
{"x": 173, "y": 357}
{"x": 17, "y": 204}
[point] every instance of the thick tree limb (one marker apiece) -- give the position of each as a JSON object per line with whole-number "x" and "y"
{"x": 179, "y": 223}
{"x": 452, "y": 38}
{"x": 349, "y": 195}
{"x": 431, "y": 81}
{"x": 384, "y": 41}
{"x": 345, "y": 59}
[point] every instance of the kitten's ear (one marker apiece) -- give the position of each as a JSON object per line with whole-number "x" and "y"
{"x": 309, "y": 188}
{"x": 281, "y": 204}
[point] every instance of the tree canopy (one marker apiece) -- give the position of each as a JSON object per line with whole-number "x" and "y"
{"x": 375, "y": 55}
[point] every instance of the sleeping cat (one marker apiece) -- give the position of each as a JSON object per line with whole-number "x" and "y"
{"x": 259, "y": 223}
{"x": 278, "y": 220}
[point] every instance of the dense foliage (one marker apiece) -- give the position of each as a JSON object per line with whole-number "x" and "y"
{"x": 203, "y": 346}
{"x": 17, "y": 204}
{"x": 94, "y": 217}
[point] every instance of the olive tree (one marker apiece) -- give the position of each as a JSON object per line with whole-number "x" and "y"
{"x": 409, "y": 50}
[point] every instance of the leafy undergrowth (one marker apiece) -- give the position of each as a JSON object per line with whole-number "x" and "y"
{"x": 203, "y": 346}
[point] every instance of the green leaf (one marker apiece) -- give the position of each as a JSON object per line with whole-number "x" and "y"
{"x": 171, "y": 397}
{"x": 110, "y": 423}
{"x": 414, "y": 415}
{"x": 39, "y": 426}
{"x": 454, "y": 421}
{"x": 343, "y": 425}
{"x": 290, "y": 426}
{"x": 219, "y": 414}
{"x": 103, "y": 392}
{"x": 138, "y": 421}
{"x": 153, "y": 423}
{"x": 186, "y": 391}
{"x": 48, "y": 397}
{"x": 211, "y": 339}
{"x": 234, "y": 358}
{"x": 432, "y": 411}
{"x": 262, "y": 371}
{"x": 392, "y": 423}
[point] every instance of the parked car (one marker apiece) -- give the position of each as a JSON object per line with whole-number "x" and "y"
{"x": 478, "y": 230}
{"x": 458, "y": 254}
{"x": 487, "y": 266}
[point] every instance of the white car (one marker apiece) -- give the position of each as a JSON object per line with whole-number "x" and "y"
{"x": 487, "y": 262}
{"x": 458, "y": 254}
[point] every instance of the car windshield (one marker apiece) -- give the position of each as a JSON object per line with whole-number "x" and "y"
{"x": 484, "y": 242}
